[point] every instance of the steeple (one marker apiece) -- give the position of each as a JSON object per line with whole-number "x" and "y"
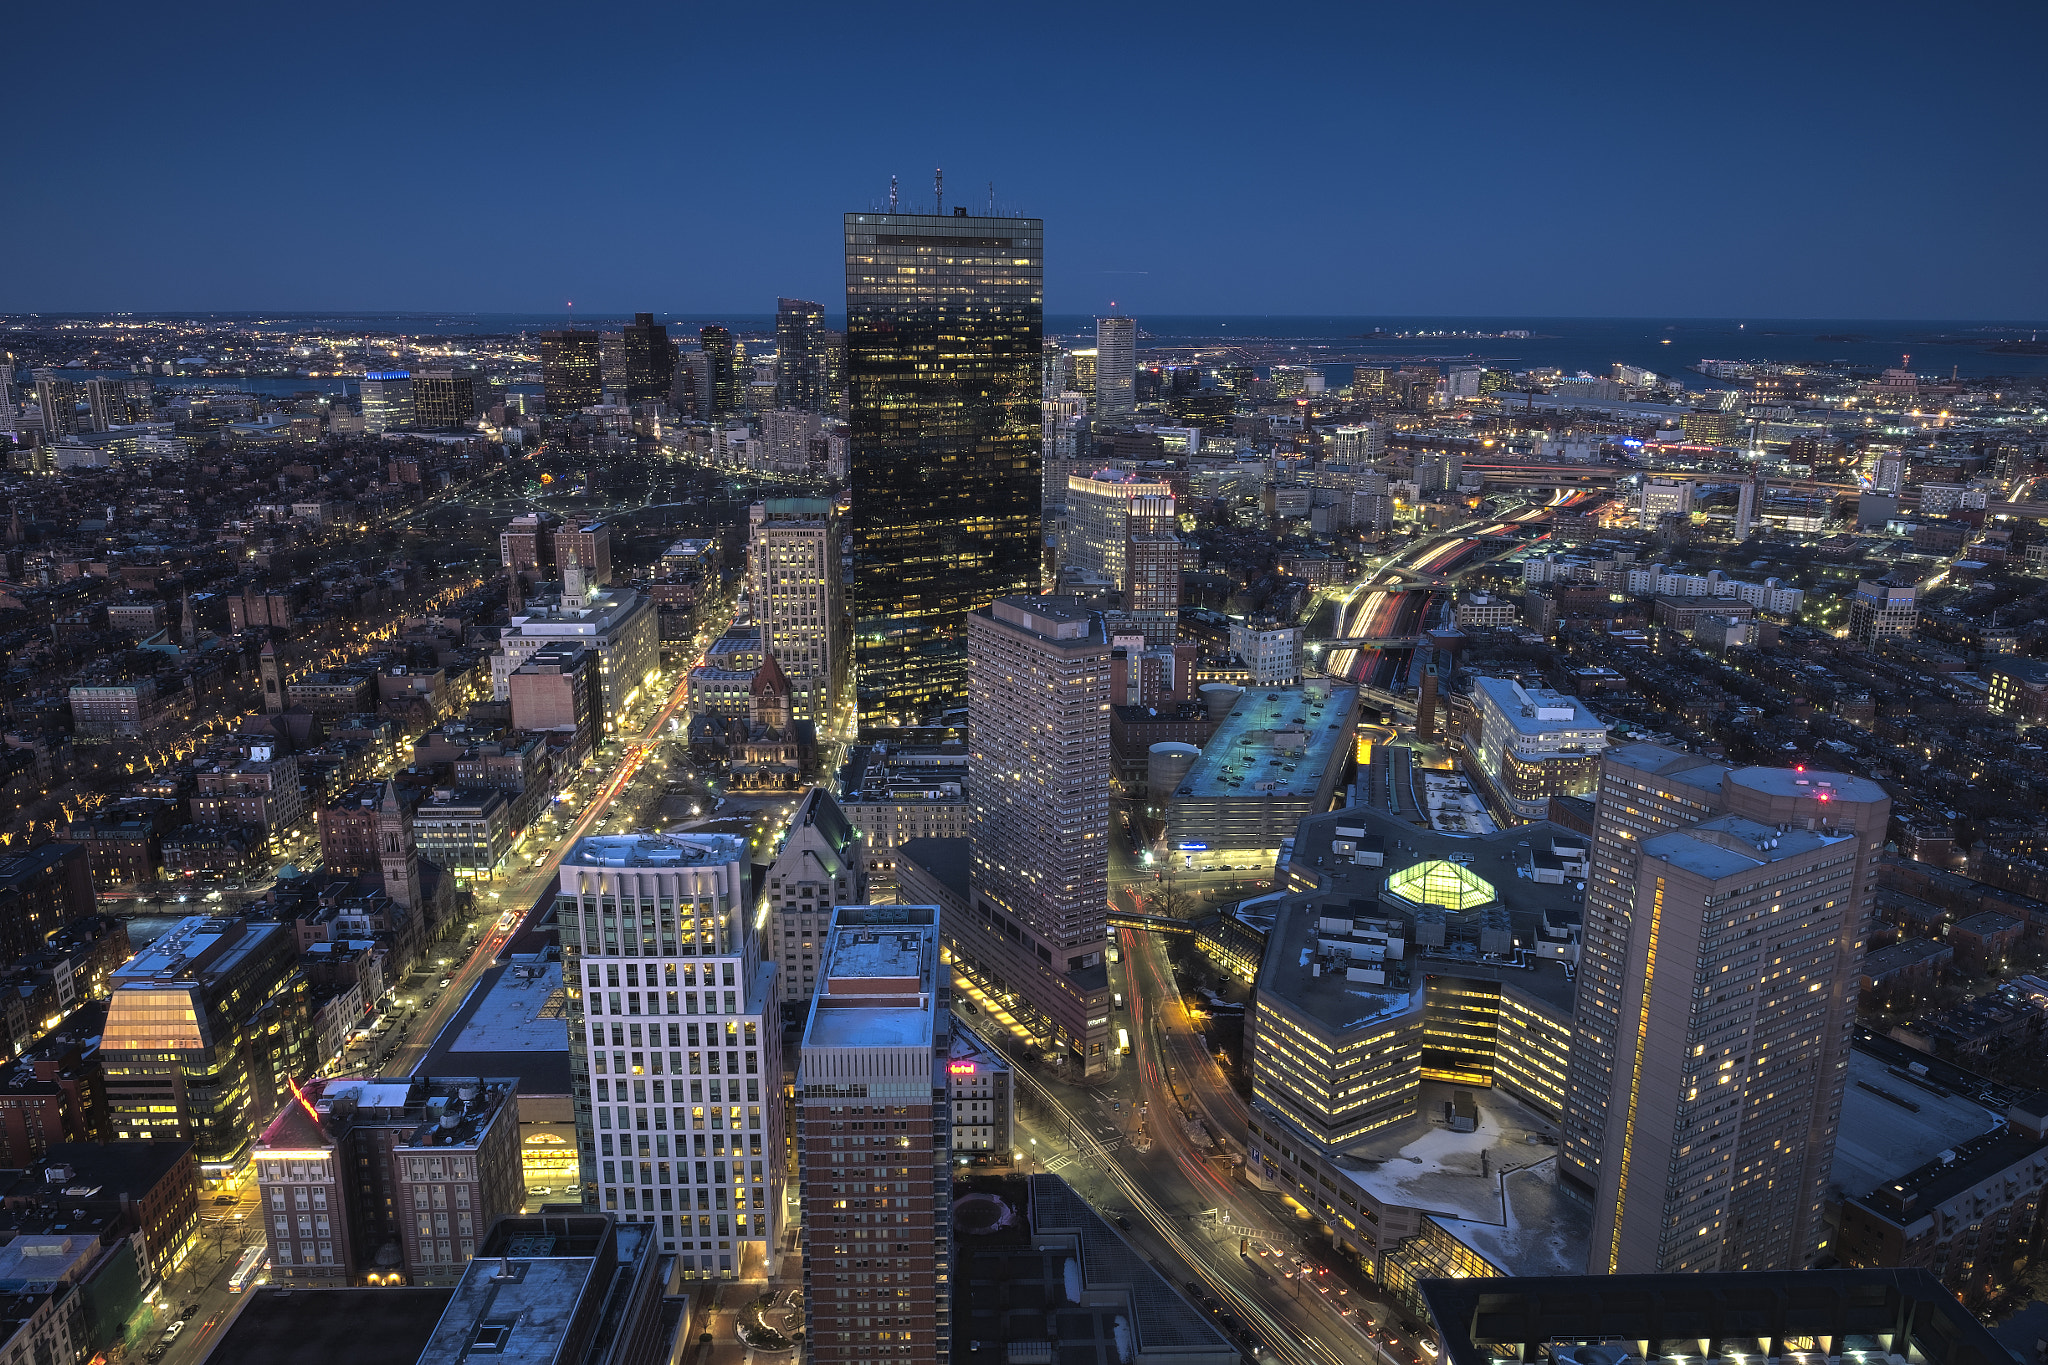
{"x": 395, "y": 849}
{"x": 188, "y": 628}
{"x": 275, "y": 697}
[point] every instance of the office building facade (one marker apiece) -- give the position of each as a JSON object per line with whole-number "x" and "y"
{"x": 387, "y": 400}
{"x": 722, "y": 382}
{"x": 675, "y": 1046}
{"x": 874, "y": 1142}
{"x": 1116, "y": 367}
{"x": 442, "y": 400}
{"x": 1038, "y": 723}
{"x": 798, "y": 600}
{"x": 945, "y": 324}
{"x": 572, "y": 377}
{"x": 649, "y": 360}
{"x": 802, "y": 359}
{"x": 1535, "y": 744}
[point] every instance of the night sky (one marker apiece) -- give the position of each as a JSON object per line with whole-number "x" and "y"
{"x": 1786, "y": 160}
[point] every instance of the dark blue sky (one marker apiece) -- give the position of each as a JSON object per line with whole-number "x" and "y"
{"x": 1787, "y": 160}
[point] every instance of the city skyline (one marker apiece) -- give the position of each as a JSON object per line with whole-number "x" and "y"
{"x": 1554, "y": 174}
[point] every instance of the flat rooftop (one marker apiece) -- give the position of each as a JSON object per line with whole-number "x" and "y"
{"x": 1731, "y": 844}
{"x": 1537, "y": 710}
{"x": 329, "y": 1326}
{"x": 521, "y": 1010}
{"x": 655, "y": 850}
{"x": 1420, "y": 1163}
{"x": 868, "y": 1026}
{"x": 1894, "y": 1124}
{"x": 1541, "y": 1232}
{"x": 540, "y": 1071}
{"x": 1286, "y": 736}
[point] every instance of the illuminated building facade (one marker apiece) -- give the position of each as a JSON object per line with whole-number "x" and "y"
{"x": 1718, "y": 986}
{"x": 798, "y": 600}
{"x": 675, "y": 1046}
{"x": 572, "y": 376}
{"x": 1116, "y": 367}
{"x": 1038, "y": 724}
{"x": 873, "y": 1094}
{"x": 802, "y": 358}
{"x": 386, "y": 1181}
{"x": 945, "y": 324}
{"x": 387, "y": 400}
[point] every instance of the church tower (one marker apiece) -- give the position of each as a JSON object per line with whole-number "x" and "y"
{"x": 188, "y": 625}
{"x": 275, "y": 698}
{"x": 395, "y": 849}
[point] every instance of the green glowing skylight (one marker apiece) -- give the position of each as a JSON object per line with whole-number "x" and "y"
{"x": 1441, "y": 883}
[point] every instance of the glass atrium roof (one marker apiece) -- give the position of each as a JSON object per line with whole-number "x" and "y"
{"x": 1441, "y": 883}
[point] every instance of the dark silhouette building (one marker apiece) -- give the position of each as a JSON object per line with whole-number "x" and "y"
{"x": 801, "y": 358}
{"x": 650, "y": 359}
{"x": 723, "y": 382}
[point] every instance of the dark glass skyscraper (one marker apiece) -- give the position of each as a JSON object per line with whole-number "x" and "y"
{"x": 650, "y": 359}
{"x": 800, "y": 359}
{"x": 945, "y": 320}
{"x": 569, "y": 370}
{"x": 725, "y": 384}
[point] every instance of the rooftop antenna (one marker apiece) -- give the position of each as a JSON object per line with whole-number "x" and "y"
{"x": 892, "y": 194}
{"x": 991, "y": 198}
{"x": 939, "y": 192}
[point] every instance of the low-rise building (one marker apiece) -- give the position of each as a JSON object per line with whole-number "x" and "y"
{"x": 1535, "y": 744}
{"x": 466, "y": 831}
{"x": 1276, "y": 757}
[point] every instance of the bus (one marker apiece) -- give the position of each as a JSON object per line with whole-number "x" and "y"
{"x": 255, "y": 1260}
{"x": 1123, "y": 1041}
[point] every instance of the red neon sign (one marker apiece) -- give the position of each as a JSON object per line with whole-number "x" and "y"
{"x": 961, "y": 1068}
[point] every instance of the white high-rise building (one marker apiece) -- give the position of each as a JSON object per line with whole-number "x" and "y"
{"x": 1116, "y": 367}
{"x": 387, "y": 400}
{"x": 675, "y": 1046}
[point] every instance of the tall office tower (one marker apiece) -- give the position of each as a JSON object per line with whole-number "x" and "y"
{"x": 387, "y": 400}
{"x": 1116, "y": 367}
{"x": 690, "y": 390}
{"x": 650, "y": 360}
{"x": 873, "y": 1144}
{"x": 798, "y": 601}
{"x": 570, "y": 372}
{"x": 58, "y": 399}
{"x": 821, "y": 865}
{"x": 611, "y": 362}
{"x": 1038, "y": 727}
{"x": 721, "y": 361}
{"x": 945, "y": 320}
{"x": 107, "y": 401}
{"x": 1053, "y": 368}
{"x": 1724, "y": 927}
{"x": 800, "y": 358}
{"x": 9, "y": 425}
{"x": 834, "y": 347}
{"x": 443, "y": 400}
{"x": 675, "y": 1046}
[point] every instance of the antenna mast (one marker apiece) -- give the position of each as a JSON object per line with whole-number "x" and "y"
{"x": 892, "y": 194}
{"x": 939, "y": 192}
{"x": 991, "y": 198}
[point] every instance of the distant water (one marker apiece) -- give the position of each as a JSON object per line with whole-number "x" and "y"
{"x": 1571, "y": 344}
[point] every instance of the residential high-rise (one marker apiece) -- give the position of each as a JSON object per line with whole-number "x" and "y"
{"x": 690, "y": 390}
{"x": 571, "y": 373}
{"x": 821, "y": 865}
{"x": 58, "y": 399}
{"x": 650, "y": 360}
{"x": 1883, "y": 608}
{"x": 945, "y": 320}
{"x": 589, "y": 546}
{"x": 722, "y": 372}
{"x": 443, "y": 400}
{"x": 873, "y": 1142}
{"x": 1038, "y": 726}
{"x": 798, "y": 601}
{"x": 528, "y": 542}
{"x": 386, "y": 1181}
{"x": 107, "y": 400}
{"x": 1116, "y": 367}
{"x": 1725, "y": 919}
{"x": 387, "y": 400}
{"x": 675, "y": 1046}
{"x": 801, "y": 361}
